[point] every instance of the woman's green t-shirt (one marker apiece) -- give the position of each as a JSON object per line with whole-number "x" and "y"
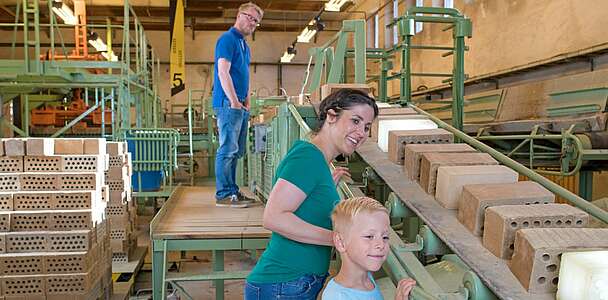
{"x": 285, "y": 259}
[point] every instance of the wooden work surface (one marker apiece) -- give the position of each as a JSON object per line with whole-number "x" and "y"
{"x": 492, "y": 270}
{"x": 190, "y": 213}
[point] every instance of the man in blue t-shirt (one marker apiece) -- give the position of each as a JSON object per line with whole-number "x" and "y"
{"x": 231, "y": 103}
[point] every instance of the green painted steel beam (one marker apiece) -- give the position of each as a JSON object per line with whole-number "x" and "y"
{"x": 223, "y": 275}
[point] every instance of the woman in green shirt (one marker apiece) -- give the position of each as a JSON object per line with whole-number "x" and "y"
{"x": 296, "y": 261}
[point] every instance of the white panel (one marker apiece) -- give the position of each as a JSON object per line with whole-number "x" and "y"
{"x": 583, "y": 276}
{"x": 384, "y": 126}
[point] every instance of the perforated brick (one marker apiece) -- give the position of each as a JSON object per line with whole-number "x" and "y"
{"x": 30, "y": 221}
{"x": 38, "y": 182}
{"x": 501, "y": 222}
{"x": 67, "y": 221}
{"x": 119, "y": 234}
{"x": 536, "y": 259}
{"x": 23, "y": 287}
{"x": 42, "y": 164}
{"x": 14, "y": 147}
{"x": 5, "y": 222}
{"x": 69, "y": 284}
{"x": 39, "y": 146}
{"x": 413, "y": 155}
{"x": 6, "y": 201}
{"x": 79, "y": 262}
{"x": 118, "y": 197}
{"x": 120, "y": 257}
{"x": 397, "y": 140}
{"x": 116, "y": 210}
{"x": 116, "y": 173}
{"x": 94, "y": 146}
{"x": 120, "y": 246}
{"x": 119, "y": 221}
{"x": 9, "y": 182}
{"x": 69, "y": 147}
{"x": 81, "y": 163}
{"x": 2, "y": 243}
{"x": 116, "y": 148}
{"x": 21, "y": 264}
{"x": 78, "y": 240}
{"x": 476, "y": 198}
{"x": 430, "y": 162}
{"x": 75, "y": 200}
{"x": 450, "y": 180}
{"x": 32, "y": 201}
{"x": 22, "y": 242}
{"x": 84, "y": 181}
{"x": 116, "y": 185}
{"x": 11, "y": 164}
{"x": 117, "y": 161}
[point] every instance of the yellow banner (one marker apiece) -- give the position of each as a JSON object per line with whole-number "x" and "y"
{"x": 177, "y": 67}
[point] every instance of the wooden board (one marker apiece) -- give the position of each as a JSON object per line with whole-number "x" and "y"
{"x": 190, "y": 213}
{"x": 493, "y": 271}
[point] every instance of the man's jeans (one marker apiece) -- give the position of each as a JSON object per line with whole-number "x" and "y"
{"x": 232, "y": 125}
{"x": 306, "y": 287}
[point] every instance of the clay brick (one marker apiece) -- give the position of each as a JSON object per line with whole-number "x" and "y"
{"x": 430, "y": 162}
{"x": 382, "y": 125}
{"x": 83, "y": 163}
{"x": 62, "y": 263}
{"x": 501, "y": 223}
{"x": 329, "y": 88}
{"x": 39, "y": 146}
{"x": 38, "y": 182}
{"x": 25, "y": 242}
{"x": 80, "y": 181}
{"x": 94, "y": 146}
{"x": 21, "y": 264}
{"x": 390, "y": 111}
{"x": 68, "y": 221}
{"x": 536, "y": 259}
{"x": 2, "y": 243}
{"x": 451, "y": 179}
{"x": 6, "y": 201}
{"x": 1, "y": 147}
{"x": 5, "y": 222}
{"x": 116, "y": 148}
{"x": 24, "y": 287}
{"x": 11, "y": 164}
{"x": 119, "y": 173}
{"x": 42, "y": 164}
{"x": 397, "y": 140}
{"x": 413, "y": 155}
{"x": 14, "y": 147}
{"x": 69, "y": 241}
{"x": 117, "y": 197}
{"x": 69, "y": 146}
{"x": 476, "y": 198}
{"x": 9, "y": 182}
{"x": 30, "y": 221}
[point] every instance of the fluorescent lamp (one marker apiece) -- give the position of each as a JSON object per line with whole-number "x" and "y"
{"x": 64, "y": 12}
{"x": 287, "y": 57}
{"x": 97, "y": 43}
{"x": 307, "y": 34}
{"x": 111, "y": 56}
{"x": 334, "y": 5}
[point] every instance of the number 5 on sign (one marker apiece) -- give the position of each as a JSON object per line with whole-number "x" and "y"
{"x": 177, "y": 55}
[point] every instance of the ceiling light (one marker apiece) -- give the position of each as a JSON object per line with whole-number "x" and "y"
{"x": 287, "y": 57}
{"x": 111, "y": 56}
{"x": 96, "y": 42}
{"x": 64, "y": 12}
{"x": 334, "y": 5}
{"x": 307, "y": 34}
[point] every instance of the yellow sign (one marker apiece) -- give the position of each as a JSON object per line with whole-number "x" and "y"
{"x": 177, "y": 67}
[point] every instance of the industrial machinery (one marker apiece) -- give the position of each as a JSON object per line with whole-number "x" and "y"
{"x": 426, "y": 242}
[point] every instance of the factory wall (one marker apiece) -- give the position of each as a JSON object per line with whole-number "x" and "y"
{"x": 506, "y": 34}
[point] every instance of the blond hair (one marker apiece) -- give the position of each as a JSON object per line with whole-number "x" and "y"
{"x": 249, "y": 5}
{"x": 344, "y": 213}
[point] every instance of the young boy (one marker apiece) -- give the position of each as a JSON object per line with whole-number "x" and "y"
{"x": 361, "y": 227}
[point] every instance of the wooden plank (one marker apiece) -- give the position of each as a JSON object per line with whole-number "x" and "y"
{"x": 191, "y": 214}
{"x": 493, "y": 271}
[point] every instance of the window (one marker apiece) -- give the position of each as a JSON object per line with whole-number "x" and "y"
{"x": 395, "y": 16}
{"x": 376, "y": 34}
{"x": 419, "y": 3}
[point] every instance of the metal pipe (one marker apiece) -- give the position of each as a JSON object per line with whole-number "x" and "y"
{"x": 521, "y": 169}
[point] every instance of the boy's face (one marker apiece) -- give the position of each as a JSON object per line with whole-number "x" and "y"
{"x": 366, "y": 243}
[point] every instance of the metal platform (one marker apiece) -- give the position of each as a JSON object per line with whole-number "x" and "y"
{"x": 189, "y": 221}
{"x": 493, "y": 271}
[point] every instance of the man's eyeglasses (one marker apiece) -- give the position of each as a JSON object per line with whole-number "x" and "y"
{"x": 251, "y": 18}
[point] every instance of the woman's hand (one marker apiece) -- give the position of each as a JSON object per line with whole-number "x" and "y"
{"x": 339, "y": 172}
{"x": 404, "y": 288}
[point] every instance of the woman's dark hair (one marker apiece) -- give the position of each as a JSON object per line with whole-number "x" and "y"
{"x": 344, "y": 99}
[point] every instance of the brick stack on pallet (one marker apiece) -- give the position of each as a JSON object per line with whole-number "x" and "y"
{"x": 121, "y": 209}
{"x": 54, "y": 236}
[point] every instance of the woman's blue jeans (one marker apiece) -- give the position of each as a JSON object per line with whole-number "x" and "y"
{"x": 306, "y": 287}
{"x": 232, "y": 126}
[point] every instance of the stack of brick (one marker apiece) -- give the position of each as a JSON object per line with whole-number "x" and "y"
{"x": 121, "y": 209}
{"x": 54, "y": 236}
